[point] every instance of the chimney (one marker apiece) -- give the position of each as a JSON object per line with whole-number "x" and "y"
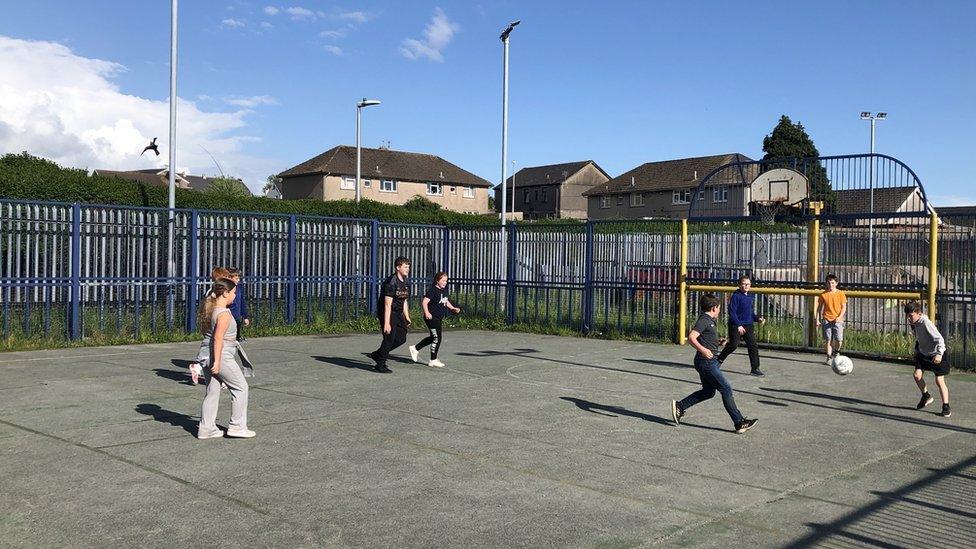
{"x": 696, "y": 176}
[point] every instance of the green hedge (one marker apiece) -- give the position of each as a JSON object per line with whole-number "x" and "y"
{"x": 27, "y": 177}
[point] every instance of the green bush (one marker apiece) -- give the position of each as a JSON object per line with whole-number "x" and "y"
{"x": 27, "y": 177}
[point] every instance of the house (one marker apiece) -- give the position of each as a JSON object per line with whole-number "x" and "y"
{"x": 889, "y": 200}
{"x": 961, "y": 216}
{"x": 552, "y": 191}
{"x": 389, "y": 176}
{"x": 160, "y": 177}
{"x": 664, "y": 190}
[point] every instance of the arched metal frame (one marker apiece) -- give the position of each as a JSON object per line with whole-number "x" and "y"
{"x": 852, "y": 178}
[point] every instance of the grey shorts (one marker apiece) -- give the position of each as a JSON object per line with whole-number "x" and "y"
{"x": 832, "y": 331}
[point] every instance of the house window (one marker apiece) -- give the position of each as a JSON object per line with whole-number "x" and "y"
{"x": 453, "y": 189}
{"x": 388, "y": 186}
{"x": 367, "y": 183}
{"x": 720, "y": 194}
{"x": 543, "y": 195}
{"x": 348, "y": 183}
{"x": 434, "y": 189}
{"x": 525, "y": 196}
{"x": 620, "y": 200}
{"x": 637, "y": 199}
{"x": 701, "y": 195}
{"x": 468, "y": 192}
{"x": 605, "y": 201}
{"x": 681, "y": 197}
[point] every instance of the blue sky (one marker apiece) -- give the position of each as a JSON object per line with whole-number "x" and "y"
{"x": 268, "y": 85}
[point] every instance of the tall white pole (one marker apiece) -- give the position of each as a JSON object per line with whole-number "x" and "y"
{"x": 359, "y": 152}
{"x": 171, "y": 259}
{"x": 871, "y": 221}
{"x": 504, "y": 124}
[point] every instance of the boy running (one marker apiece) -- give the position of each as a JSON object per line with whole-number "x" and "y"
{"x": 831, "y": 313}
{"x": 930, "y": 354}
{"x": 393, "y": 312}
{"x": 704, "y": 338}
{"x": 436, "y": 305}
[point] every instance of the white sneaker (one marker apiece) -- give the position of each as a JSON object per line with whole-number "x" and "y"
{"x": 435, "y": 364}
{"x": 241, "y": 433}
{"x": 414, "y": 354}
{"x": 216, "y": 434}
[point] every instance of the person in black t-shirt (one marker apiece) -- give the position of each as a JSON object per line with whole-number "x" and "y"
{"x": 393, "y": 312}
{"x": 704, "y": 338}
{"x": 436, "y": 305}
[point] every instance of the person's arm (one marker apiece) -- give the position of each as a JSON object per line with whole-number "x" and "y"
{"x": 406, "y": 312}
{"x": 940, "y": 346}
{"x": 223, "y": 320}
{"x": 843, "y": 311}
{"x": 452, "y": 308}
{"x": 733, "y": 314}
{"x": 424, "y": 305}
{"x": 387, "y": 307}
{"x": 245, "y": 314}
{"x": 693, "y": 339}
{"x": 819, "y": 311}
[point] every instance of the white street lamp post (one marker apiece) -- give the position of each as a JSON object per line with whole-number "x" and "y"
{"x": 171, "y": 252}
{"x": 359, "y": 153}
{"x": 504, "y": 37}
{"x": 873, "y": 118}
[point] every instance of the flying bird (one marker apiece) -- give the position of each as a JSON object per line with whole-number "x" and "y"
{"x": 151, "y": 147}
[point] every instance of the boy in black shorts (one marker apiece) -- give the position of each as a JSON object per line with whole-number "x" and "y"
{"x": 704, "y": 338}
{"x": 436, "y": 305}
{"x": 930, "y": 354}
{"x": 393, "y": 312}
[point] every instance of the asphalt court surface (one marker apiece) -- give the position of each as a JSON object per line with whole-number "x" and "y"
{"x": 521, "y": 441}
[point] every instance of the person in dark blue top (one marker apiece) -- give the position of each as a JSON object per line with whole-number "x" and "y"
{"x": 742, "y": 320}
{"x": 436, "y": 305}
{"x": 238, "y": 309}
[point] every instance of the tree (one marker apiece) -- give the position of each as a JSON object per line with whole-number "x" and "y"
{"x": 228, "y": 186}
{"x": 786, "y": 146}
{"x": 272, "y": 183}
{"x": 421, "y": 204}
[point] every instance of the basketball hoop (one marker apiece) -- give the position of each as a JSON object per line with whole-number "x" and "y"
{"x": 768, "y": 210}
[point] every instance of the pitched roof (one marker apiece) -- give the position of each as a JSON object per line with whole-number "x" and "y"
{"x": 965, "y": 211}
{"x": 385, "y": 163}
{"x": 666, "y": 175}
{"x": 158, "y": 176}
{"x": 886, "y": 199}
{"x": 552, "y": 174}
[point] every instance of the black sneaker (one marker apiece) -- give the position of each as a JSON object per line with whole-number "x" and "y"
{"x": 758, "y": 373}
{"x": 946, "y": 412}
{"x": 745, "y": 425}
{"x": 926, "y": 400}
{"x": 382, "y": 368}
{"x": 676, "y": 412}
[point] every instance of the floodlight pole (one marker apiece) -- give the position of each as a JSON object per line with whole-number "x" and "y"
{"x": 359, "y": 152}
{"x": 873, "y": 118}
{"x": 171, "y": 252}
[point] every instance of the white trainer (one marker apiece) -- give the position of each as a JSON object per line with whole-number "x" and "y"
{"x": 435, "y": 364}
{"x": 241, "y": 433}
{"x": 216, "y": 434}
{"x": 414, "y": 354}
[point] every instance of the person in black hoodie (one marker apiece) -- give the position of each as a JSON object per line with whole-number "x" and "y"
{"x": 393, "y": 312}
{"x": 436, "y": 305}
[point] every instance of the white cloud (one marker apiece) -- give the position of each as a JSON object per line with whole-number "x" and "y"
{"x": 233, "y": 23}
{"x": 266, "y": 25}
{"x": 437, "y": 35}
{"x": 299, "y": 13}
{"x": 61, "y": 106}
{"x": 271, "y": 10}
{"x": 359, "y": 17}
{"x": 253, "y": 101}
{"x": 333, "y": 34}
{"x": 334, "y": 50}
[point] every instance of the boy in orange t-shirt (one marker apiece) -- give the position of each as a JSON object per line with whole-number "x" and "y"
{"x": 831, "y": 313}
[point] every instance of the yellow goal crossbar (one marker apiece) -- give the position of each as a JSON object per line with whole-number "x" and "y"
{"x": 868, "y": 293}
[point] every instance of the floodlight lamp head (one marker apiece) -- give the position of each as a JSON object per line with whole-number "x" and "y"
{"x": 507, "y": 31}
{"x": 367, "y": 103}
{"x": 882, "y": 115}
{"x": 865, "y": 115}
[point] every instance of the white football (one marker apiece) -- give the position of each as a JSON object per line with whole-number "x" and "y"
{"x": 842, "y": 365}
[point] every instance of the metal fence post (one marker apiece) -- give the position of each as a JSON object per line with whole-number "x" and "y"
{"x": 191, "y": 289}
{"x": 75, "y": 314}
{"x": 374, "y": 272}
{"x": 510, "y": 273}
{"x": 588, "y": 279}
{"x": 291, "y": 285}
{"x": 446, "y": 251}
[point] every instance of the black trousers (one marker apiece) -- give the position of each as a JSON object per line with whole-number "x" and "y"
{"x": 734, "y": 338}
{"x": 392, "y": 340}
{"x": 434, "y": 339}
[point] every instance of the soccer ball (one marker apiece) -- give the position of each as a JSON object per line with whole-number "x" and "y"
{"x": 841, "y": 365}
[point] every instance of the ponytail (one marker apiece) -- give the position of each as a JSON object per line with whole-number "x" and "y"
{"x": 205, "y": 312}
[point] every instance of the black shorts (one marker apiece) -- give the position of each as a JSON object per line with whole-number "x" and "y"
{"x": 925, "y": 363}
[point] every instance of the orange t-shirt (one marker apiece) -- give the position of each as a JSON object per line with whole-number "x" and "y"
{"x": 833, "y": 304}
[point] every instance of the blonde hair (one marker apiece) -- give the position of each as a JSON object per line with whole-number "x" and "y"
{"x": 220, "y": 287}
